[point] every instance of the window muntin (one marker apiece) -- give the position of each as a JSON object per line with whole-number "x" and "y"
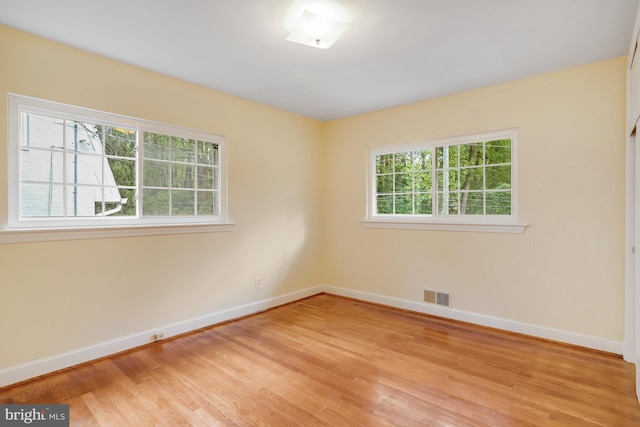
{"x": 70, "y": 166}
{"x": 464, "y": 179}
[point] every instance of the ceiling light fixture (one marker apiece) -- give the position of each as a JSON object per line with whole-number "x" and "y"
{"x": 317, "y": 24}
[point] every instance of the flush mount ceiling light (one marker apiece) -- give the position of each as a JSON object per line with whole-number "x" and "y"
{"x": 317, "y": 31}
{"x": 316, "y": 23}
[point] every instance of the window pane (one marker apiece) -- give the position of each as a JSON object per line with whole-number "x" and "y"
{"x": 384, "y": 184}
{"x": 422, "y": 181}
{"x": 498, "y": 151}
{"x": 41, "y": 131}
{"x": 402, "y": 162}
{"x": 384, "y": 204}
{"x": 404, "y": 204}
{"x": 423, "y": 204}
{"x": 120, "y": 172}
{"x": 471, "y": 154}
{"x": 183, "y": 150}
{"x": 41, "y": 200}
{"x": 207, "y": 178}
{"x": 119, "y": 142}
{"x": 471, "y": 179}
{"x": 440, "y": 158}
{"x": 41, "y": 165}
{"x": 447, "y": 157}
{"x": 113, "y": 209}
{"x": 156, "y": 202}
{"x": 127, "y": 204}
{"x": 157, "y": 146}
{"x": 384, "y": 163}
{"x": 499, "y": 203}
{"x": 454, "y": 180}
{"x": 182, "y": 202}
{"x": 112, "y": 198}
{"x": 448, "y": 180}
{"x": 183, "y": 176}
{"x": 471, "y": 203}
{"x": 207, "y": 153}
{"x": 156, "y": 174}
{"x": 422, "y": 160}
{"x": 448, "y": 203}
{"x": 453, "y": 155}
{"x": 81, "y": 200}
{"x": 498, "y": 177}
{"x": 84, "y": 169}
{"x": 206, "y": 203}
{"x": 403, "y": 182}
{"x": 83, "y": 137}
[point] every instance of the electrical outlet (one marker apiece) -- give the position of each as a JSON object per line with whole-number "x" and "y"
{"x": 157, "y": 337}
{"x": 258, "y": 282}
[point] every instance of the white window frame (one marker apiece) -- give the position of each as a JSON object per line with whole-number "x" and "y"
{"x": 17, "y": 229}
{"x": 474, "y": 223}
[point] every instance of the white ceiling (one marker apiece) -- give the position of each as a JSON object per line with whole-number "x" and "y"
{"x": 396, "y": 52}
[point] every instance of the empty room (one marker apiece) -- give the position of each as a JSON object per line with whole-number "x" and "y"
{"x": 319, "y": 212}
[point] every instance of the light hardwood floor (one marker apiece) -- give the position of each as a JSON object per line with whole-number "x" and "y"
{"x": 333, "y": 361}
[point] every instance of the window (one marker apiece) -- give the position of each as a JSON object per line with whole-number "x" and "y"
{"x": 74, "y": 167}
{"x": 462, "y": 180}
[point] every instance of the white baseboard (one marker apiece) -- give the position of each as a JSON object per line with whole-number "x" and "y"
{"x": 57, "y": 362}
{"x": 581, "y": 340}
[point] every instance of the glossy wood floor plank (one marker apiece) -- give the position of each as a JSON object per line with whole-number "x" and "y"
{"x": 331, "y": 361}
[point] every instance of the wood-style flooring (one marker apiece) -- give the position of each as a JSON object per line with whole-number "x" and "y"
{"x": 333, "y": 361}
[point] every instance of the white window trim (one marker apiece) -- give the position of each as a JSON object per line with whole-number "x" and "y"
{"x": 470, "y": 223}
{"x": 27, "y": 229}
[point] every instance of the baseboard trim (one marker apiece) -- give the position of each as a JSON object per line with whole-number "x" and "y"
{"x": 595, "y": 343}
{"x": 57, "y": 362}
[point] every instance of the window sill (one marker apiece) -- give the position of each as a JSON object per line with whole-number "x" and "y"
{"x": 26, "y": 235}
{"x": 447, "y": 226}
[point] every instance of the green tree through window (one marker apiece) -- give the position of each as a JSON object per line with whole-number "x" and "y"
{"x": 471, "y": 178}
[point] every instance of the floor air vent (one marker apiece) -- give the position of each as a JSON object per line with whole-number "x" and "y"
{"x": 436, "y": 297}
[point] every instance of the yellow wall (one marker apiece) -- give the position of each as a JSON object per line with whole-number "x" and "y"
{"x": 297, "y": 196}
{"x": 567, "y": 270}
{"x": 61, "y": 296}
